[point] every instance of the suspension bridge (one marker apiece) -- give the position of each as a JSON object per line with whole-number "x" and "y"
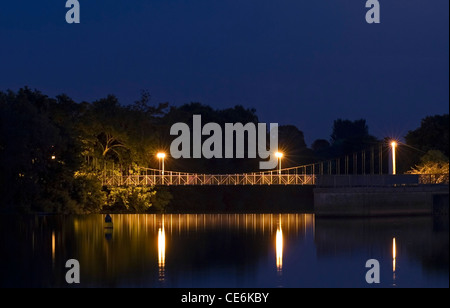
{"x": 292, "y": 176}
{"x": 156, "y": 177}
{"x": 365, "y": 168}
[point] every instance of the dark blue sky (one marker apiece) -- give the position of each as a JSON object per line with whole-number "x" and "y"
{"x": 297, "y": 62}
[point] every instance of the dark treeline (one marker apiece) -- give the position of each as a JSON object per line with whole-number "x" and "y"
{"x": 53, "y": 151}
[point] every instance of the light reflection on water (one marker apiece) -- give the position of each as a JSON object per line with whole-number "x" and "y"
{"x": 394, "y": 255}
{"x": 279, "y": 248}
{"x": 161, "y": 251}
{"x": 224, "y": 250}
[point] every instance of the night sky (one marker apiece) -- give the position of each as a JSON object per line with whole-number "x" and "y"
{"x": 297, "y": 62}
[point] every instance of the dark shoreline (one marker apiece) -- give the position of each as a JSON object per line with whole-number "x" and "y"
{"x": 226, "y": 199}
{"x": 252, "y": 200}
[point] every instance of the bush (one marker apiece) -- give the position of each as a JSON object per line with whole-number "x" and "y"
{"x": 132, "y": 198}
{"x": 161, "y": 199}
{"x": 433, "y": 162}
{"x": 88, "y": 193}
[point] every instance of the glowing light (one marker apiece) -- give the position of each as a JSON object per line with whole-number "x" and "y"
{"x": 161, "y": 247}
{"x": 53, "y": 157}
{"x": 393, "y": 145}
{"x": 161, "y": 251}
{"x": 279, "y": 155}
{"x": 394, "y": 249}
{"x": 53, "y": 245}
{"x": 160, "y": 156}
{"x": 394, "y": 254}
{"x": 279, "y": 249}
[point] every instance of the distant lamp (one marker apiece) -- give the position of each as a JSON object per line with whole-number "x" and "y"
{"x": 53, "y": 157}
{"x": 161, "y": 156}
{"x": 394, "y": 167}
{"x": 279, "y": 155}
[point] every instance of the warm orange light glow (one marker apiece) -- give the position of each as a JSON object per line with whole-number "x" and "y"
{"x": 279, "y": 249}
{"x": 161, "y": 251}
{"x": 394, "y": 249}
{"x": 279, "y": 155}
{"x": 161, "y": 247}
{"x": 53, "y": 157}
{"x": 161, "y": 155}
{"x": 394, "y": 254}
{"x": 53, "y": 245}
{"x": 394, "y": 145}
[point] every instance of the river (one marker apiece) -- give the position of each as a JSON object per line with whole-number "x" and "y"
{"x": 224, "y": 250}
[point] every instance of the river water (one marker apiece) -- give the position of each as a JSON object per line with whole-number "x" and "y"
{"x": 224, "y": 250}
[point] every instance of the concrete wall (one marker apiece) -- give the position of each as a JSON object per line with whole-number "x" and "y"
{"x": 376, "y": 201}
{"x": 376, "y": 180}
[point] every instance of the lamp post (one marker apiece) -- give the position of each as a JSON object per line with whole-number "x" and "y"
{"x": 161, "y": 156}
{"x": 393, "y": 145}
{"x": 279, "y": 155}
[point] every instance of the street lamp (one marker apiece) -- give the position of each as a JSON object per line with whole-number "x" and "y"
{"x": 393, "y": 145}
{"x": 279, "y": 155}
{"x": 161, "y": 156}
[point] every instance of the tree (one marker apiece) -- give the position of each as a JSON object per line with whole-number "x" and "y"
{"x": 105, "y": 129}
{"x": 348, "y": 136}
{"x": 433, "y": 134}
{"x": 38, "y": 155}
{"x": 320, "y": 147}
{"x": 291, "y": 142}
{"x": 435, "y": 163}
{"x": 131, "y": 198}
{"x": 184, "y": 114}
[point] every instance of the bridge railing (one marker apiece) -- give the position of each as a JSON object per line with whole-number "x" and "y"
{"x": 176, "y": 178}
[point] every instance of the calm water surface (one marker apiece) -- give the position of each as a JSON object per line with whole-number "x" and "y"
{"x": 223, "y": 250}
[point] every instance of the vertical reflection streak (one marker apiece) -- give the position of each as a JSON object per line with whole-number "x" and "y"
{"x": 161, "y": 251}
{"x": 279, "y": 249}
{"x": 53, "y": 247}
{"x": 394, "y": 255}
